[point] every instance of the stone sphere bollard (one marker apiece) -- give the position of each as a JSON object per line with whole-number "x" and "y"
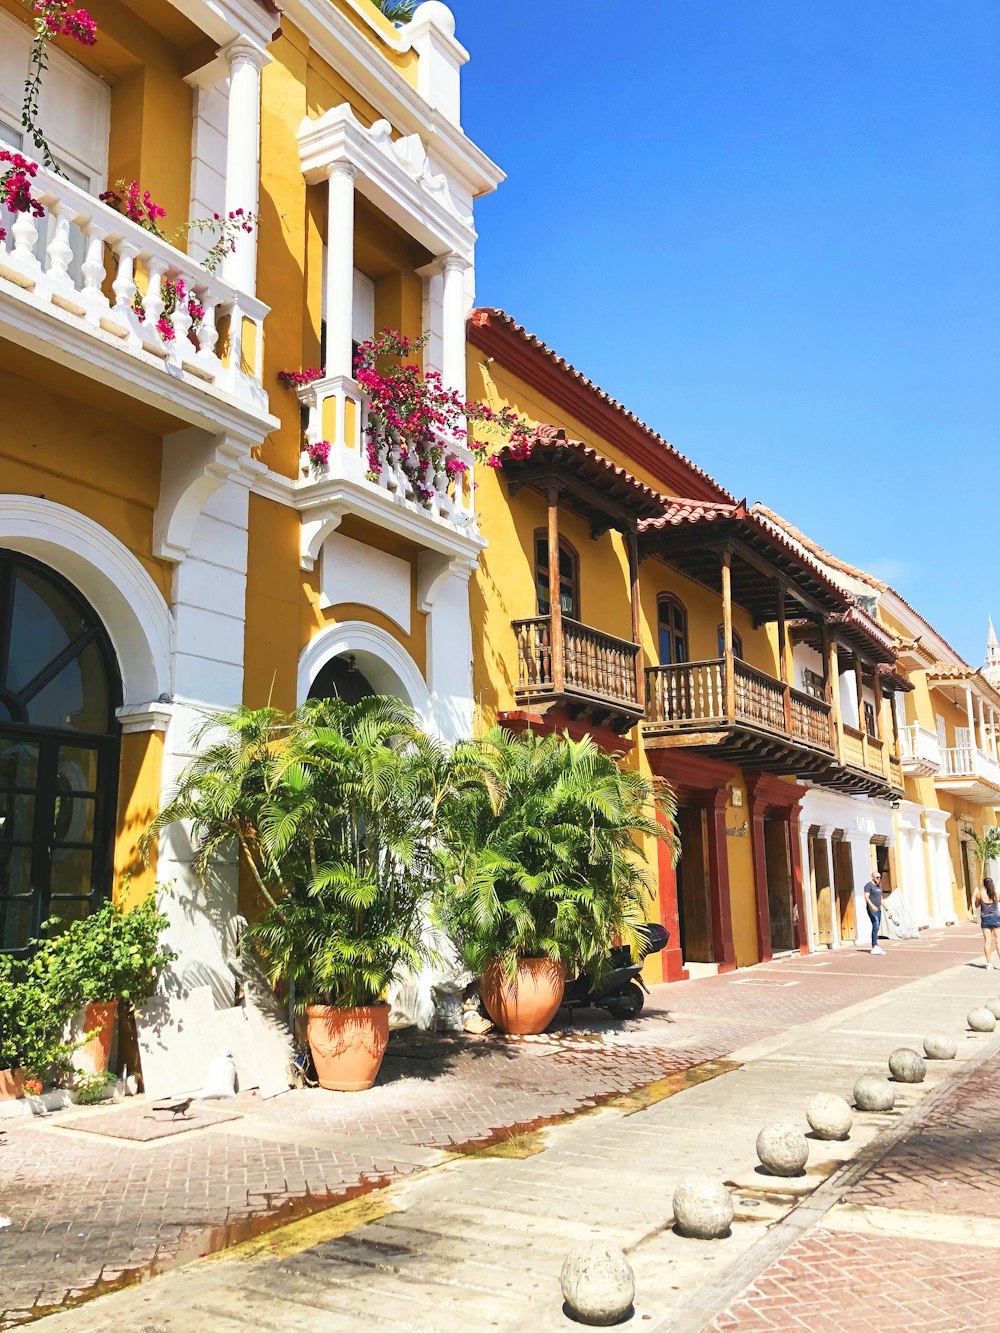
{"x": 981, "y": 1020}
{"x": 940, "y": 1046}
{"x": 994, "y": 1007}
{"x": 872, "y": 1092}
{"x": 703, "y": 1208}
{"x": 829, "y": 1116}
{"x": 598, "y": 1284}
{"x": 907, "y": 1066}
{"x": 782, "y": 1150}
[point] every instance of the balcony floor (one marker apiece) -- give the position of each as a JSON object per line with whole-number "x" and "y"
{"x": 743, "y": 745}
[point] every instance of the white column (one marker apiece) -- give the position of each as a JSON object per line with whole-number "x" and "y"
{"x": 971, "y": 716}
{"x": 453, "y": 321}
{"x": 245, "y": 63}
{"x": 983, "y": 743}
{"x": 340, "y": 270}
{"x": 993, "y": 733}
{"x": 826, "y": 833}
{"x": 808, "y": 886}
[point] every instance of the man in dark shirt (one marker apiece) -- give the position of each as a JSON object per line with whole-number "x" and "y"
{"x": 873, "y": 901}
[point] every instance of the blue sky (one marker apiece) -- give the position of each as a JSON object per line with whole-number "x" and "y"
{"x": 771, "y": 229}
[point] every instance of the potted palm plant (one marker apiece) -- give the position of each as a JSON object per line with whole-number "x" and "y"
{"x": 331, "y": 808}
{"x": 539, "y": 842}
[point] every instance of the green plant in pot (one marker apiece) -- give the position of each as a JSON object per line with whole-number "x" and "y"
{"x": 32, "y": 1019}
{"x": 539, "y": 845}
{"x": 111, "y": 956}
{"x": 331, "y": 808}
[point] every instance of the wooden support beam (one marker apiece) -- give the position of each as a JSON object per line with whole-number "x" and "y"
{"x": 632, "y": 541}
{"x": 555, "y": 594}
{"x": 727, "y": 635}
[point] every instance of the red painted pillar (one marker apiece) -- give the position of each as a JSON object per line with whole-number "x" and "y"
{"x": 673, "y": 962}
{"x": 718, "y": 874}
{"x": 760, "y": 881}
{"x": 795, "y": 862}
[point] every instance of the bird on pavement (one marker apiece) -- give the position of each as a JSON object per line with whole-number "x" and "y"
{"x": 178, "y": 1108}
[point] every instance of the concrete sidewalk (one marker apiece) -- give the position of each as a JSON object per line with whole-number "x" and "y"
{"x": 479, "y": 1243}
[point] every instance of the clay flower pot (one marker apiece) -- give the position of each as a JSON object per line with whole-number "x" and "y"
{"x": 11, "y": 1084}
{"x": 347, "y": 1044}
{"x": 527, "y": 1004}
{"x": 98, "y": 1018}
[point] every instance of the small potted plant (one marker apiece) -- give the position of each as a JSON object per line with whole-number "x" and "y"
{"x": 112, "y": 955}
{"x": 539, "y": 842}
{"x": 331, "y": 809}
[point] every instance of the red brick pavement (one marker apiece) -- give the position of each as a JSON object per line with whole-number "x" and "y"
{"x": 836, "y": 1282}
{"x": 948, "y": 1165}
{"x": 87, "y": 1210}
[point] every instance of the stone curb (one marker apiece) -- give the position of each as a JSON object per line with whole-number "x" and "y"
{"x": 716, "y": 1297}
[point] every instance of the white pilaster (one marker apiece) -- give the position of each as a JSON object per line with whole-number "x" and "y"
{"x": 453, "y": 323}
{"x": 443, "y": 595}
{"x": 809, "y": 887}
{"x": 971, "y": 716}
{"x": 825, "y": 833}
{"x": 441, "y": 57}
{"x": 340, "y": 269}
{"x": 245, "y": 61}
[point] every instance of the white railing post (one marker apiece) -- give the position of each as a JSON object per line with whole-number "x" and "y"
{"x": 94, "y": 271}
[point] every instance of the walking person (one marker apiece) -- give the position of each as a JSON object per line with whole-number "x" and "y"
{"x": 989, "y": 919}
{"x": 873, "y": 902}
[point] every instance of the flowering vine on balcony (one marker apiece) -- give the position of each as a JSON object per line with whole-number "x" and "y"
{"x": 412, "y": 416}
{"x": 139, "y": 207}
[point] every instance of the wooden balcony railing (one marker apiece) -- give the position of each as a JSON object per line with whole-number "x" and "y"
{"x": 691, "y": 696}
{"x": 867, "y": 752}
{"x": 593, "y": 665}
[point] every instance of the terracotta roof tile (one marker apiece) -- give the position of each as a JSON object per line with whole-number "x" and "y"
{"x": 485, "y": 316}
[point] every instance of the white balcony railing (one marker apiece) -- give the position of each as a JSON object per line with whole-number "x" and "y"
{"x": 108, "y": 275}
{"x": 337, "y": 414}
{"x": 920, "y": 750}
{"x": 967, "y": 761}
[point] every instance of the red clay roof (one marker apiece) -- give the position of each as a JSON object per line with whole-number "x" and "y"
{"x": 495, "y": 332}
{"x": 550, "y": 442}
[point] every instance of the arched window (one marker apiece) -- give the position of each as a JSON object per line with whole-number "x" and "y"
{"x": 59, "y": 689}
{"x": 673, "y": 633}
{"x": 569, "y": 576}
{"x": 341, "y": 679}
{"x": 737, "y": 643}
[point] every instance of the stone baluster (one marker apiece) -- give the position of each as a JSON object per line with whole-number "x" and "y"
{"x": 92, "y": 296}
{"x": 23, "y": 257}
{"x": 153, "y": 303}
{"x": 208, "y": 334}
{"x": 59, "y": 252}
{"x": 181, "y": 322}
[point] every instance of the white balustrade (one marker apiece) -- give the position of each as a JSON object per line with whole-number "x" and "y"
{"x": 337, "y": 413}
{"x": 920, "y": 748}
{"x": 131, "y": 307}
{"x": 967, "y": 761}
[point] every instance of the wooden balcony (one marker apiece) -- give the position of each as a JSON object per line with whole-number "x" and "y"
{"x": 867, "y": 766}
{"x": 761, "y": 723}
{"x": 588, "y": 671}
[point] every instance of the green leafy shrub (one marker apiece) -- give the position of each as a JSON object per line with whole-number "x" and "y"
{"x": 32, "y": 1019}
{"x": 538, "y": 840}
{"x": 89, "y": 1089}
{"x": 112, "y": 954}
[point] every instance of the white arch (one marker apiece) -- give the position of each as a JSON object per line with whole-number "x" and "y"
{"x": 109, "y": 576}
{"x": 384, "y": 660}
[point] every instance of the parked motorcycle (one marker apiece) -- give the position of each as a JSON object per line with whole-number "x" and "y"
{"x": 621, "y": 992}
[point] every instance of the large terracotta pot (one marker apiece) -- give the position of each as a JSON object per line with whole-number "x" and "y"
{"x": 527, "y": 1004}
{"x": 11, "y": 1084}
{"x": 98, "y": 1018}
{"x": 347, "y": 1044}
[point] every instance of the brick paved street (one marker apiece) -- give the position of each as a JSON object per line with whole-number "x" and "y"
{"x": 89, "y": 1211}
{"x": 911, "y": 1246}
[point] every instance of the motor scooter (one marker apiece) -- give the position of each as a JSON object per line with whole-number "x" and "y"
{"x": 621, "y": 992}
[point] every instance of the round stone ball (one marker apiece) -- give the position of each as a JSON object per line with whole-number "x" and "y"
{"x": 940, "y": 1046}
{"x": 994, "y": 1007}
{"x": 907, "y": 1066}
{"x": 872, "y": 1092}
{"x": 703, "y": 1208}
{"x": 598, "y": 1284}
{"x": 981, "y": 1020}
{"x": 829, "y": 1116}
{"x": 782, "y": 1149}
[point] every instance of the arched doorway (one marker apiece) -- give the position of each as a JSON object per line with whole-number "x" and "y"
{"x": 342, "y": 678}
{"x": 60, "y": 687}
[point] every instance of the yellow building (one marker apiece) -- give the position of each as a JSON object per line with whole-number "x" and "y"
{"x": 196, "y": 510}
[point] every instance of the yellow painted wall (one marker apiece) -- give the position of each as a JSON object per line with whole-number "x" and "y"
{"x": 139, "y": 790}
